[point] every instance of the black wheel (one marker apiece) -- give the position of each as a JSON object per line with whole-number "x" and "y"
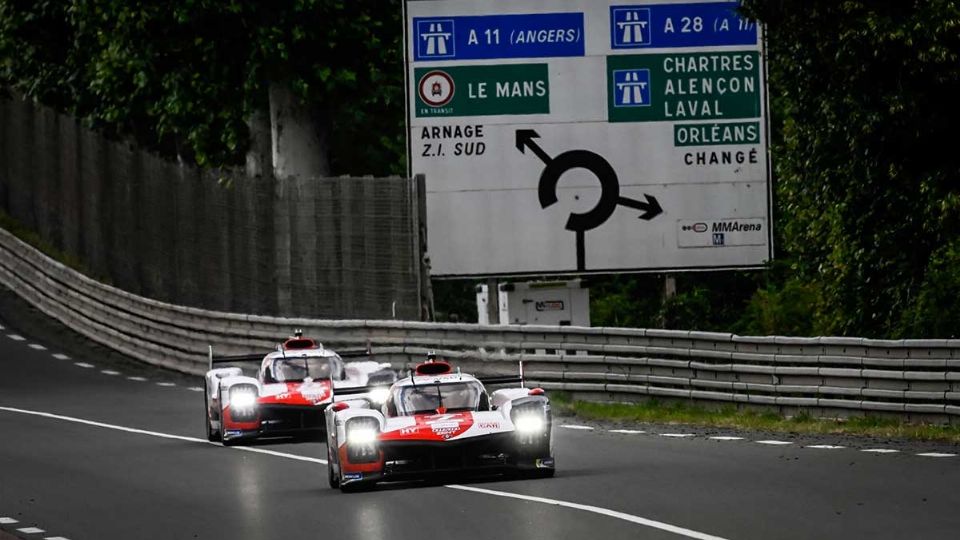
{"x": 333, "y": 479}
{"x": 212, "y": 435}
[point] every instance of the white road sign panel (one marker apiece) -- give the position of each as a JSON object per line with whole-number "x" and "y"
{"x": 585, "y": 136}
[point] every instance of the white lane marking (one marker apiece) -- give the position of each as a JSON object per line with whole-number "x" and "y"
{"x": 627, "y": 431}
{"x": 574, "y": 426}
{"x": 138, "y": 379}
{"x": 881, "y": 450}
{"x": 16, "y": 337}
{"x": 168, "y": 384}
{"x": 596, "y": 510}
{"x": 31, "y": 530}
{"x": 60, "y": 356}
{"x": 7, "y": 521}
{"x": 55, "y": 538}
{"x": 83, "y": 365}
{"x": 825, "y": 446}
{"x": 110, "y": 372}
{"x": 936, "y": 454}
{"x": 676, "y": 435}
{"x": 161, "y": 435}
{"x": 37, "y": 347}
{"x": 195, "y": 389}
{"x": 726, "y": 438}
{"x": 774, "y": 442}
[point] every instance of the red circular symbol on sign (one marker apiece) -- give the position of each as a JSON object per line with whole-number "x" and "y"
{"x": 436, "y": 88}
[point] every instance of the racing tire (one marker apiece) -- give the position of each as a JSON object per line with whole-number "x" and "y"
{"x": 333, "y": 479}
{"x": 212, "y": 435}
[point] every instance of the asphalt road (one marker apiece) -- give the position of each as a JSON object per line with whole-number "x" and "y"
{"x": 89, "y": 453}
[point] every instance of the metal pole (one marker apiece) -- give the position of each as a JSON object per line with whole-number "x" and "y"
{"x": 493, "y": 301}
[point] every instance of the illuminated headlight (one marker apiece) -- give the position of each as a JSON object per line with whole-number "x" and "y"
{"x": 379, "y": 395}
{"x": 243, "y": 399}
{"x": 361, "y": 436}
{"x": 528, "y": 424}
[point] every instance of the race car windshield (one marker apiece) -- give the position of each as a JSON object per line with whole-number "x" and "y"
{"x": 427, "y": 398}
{"x": 299, "y": 368}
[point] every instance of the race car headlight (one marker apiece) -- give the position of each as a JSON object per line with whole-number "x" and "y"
{"x": 362, "y": 440}
{"x": 361, "y": 436}
{"x": 379, "y": 395}
{"x": 243, "y": 403}
{"x": 242, "y": 398}
{"x": 529, "y": 423}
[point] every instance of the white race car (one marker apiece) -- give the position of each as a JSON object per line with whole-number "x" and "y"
{"x": 292, "y": 387}
{"x": 438, "y": 421}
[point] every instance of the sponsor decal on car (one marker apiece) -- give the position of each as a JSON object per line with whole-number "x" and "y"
{"x": 488, "y": 425}
{"x": 544, "y": 463}
{"x": 353, "y": 476}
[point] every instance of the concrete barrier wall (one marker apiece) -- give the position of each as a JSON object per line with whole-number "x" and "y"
{"x": 917, "y": 379}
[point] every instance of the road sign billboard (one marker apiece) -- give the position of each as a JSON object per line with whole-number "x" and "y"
{"x": 588, "y": 136}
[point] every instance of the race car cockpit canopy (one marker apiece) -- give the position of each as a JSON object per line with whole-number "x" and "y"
{"x": 458, "y": 396}
{"x": 298, "y": 368}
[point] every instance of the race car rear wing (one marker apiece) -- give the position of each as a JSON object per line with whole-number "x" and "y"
{"x": 491, "y": 380}
{"x": 258, "y": 357}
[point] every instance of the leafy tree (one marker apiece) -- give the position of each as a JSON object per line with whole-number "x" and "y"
{"x": 866, "y": 192}
{"x": 184, "y": 76}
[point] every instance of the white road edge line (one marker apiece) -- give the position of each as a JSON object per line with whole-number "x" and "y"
{"x": 775, "y": 442}
{"x": 628, "y": 431}
{"x": 725, "y": 438}
{"x": 575, "y": 426}
{"x": 825, "y": 447}
{"x": 596, "y": 510}
{"x": 587, "y": 508}
{"x": 936, "y": 454}
{"x": 161, "y": 435}
{"x": 881, "y": 450}
{"x": 677, "y": 435}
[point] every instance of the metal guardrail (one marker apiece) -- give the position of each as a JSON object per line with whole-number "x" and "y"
{"x": 834, "y": 375}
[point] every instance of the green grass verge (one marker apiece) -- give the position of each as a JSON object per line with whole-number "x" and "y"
{"x": 654, "y": 411}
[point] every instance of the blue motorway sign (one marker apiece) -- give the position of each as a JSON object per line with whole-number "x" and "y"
{"x": 482, "y": 37}
{"x": 661, "y": 26}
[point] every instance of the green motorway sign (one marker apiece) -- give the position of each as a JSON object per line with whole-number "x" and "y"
{"x": 482, "y": 90}
{"x": 680, "y": 87}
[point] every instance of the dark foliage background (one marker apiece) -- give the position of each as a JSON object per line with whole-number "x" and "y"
{"x": 864, "y": 99}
